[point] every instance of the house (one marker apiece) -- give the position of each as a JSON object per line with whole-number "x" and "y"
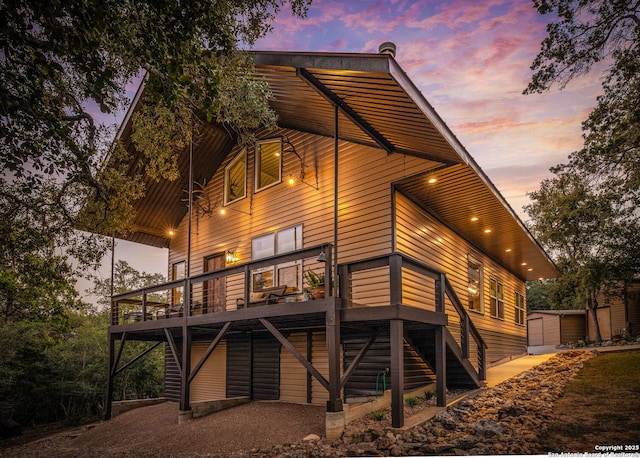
{"x": 555, "y": 327}
{"x": 617, "y": 307}
{"x": 363, "y": 184}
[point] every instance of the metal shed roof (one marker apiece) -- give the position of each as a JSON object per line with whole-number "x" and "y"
{"x": 378, "y": 105}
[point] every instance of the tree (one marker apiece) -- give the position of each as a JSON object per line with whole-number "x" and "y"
{"x": 590, "y": 234}
{"x": 585, "y": 33}
{"x": 125, "y": 278}
{"x": 64, "y": 67}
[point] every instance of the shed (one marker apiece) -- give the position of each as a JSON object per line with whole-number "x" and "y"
{"x": 554, "y": 327}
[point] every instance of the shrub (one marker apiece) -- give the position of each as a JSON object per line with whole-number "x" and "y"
{"x": 378, "y": 415}
{"x": 412, "y": 401}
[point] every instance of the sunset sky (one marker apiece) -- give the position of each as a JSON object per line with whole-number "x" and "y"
{"x": 471, "y": 61}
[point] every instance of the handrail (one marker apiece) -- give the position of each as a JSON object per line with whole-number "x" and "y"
{"x": 436, "y": 274}
{"x": 141, "y": 294}
{"x": 224, "y": 272}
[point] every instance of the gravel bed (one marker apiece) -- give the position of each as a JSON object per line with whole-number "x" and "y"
{"x": 501, "y": 420}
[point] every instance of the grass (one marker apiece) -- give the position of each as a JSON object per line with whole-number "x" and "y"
{"x": 599, "y": 406}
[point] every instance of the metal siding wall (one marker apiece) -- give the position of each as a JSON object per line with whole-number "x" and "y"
{"x": 238, "y": 365}
{"x": 572, "y": 328}
{"x": 266, "y": 367}
{"x": 293, "y": 379}
{"x": 172, "y": 381}
{"x": 536, "y": 330}
{"x": 420, "y": 235}
{"x": 365, "y": 175}
{"x": 320, "y": 360}
{"x": 211, "y": 381}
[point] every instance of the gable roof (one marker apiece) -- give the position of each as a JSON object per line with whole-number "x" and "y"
{"x": 378, "y": 105}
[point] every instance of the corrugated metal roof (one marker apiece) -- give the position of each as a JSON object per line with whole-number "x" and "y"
{"x": 378, "y": 105}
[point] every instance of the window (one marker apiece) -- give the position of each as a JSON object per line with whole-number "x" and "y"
{"x": 268, "y": 163}
{"x": 496, "y": 298}
{"x": 520, "y": 309}
{"x": 278, "y": 242}
{"x": 475, "y": 285}
{"x": 235, "y": 179}
{"x": 177, "y": 273}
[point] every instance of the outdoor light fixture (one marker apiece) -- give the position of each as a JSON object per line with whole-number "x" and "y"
{"x": 294, "y": 179}
{"x": 171, "y": 232}
{"x": 322, "y": 257}
{"x": 232, "y": 256}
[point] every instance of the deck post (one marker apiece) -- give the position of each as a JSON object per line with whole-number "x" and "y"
{"x": 109, "y": 399}
{"x": 334, "y": 404}
{"x": 185, "y": 405}
{"x": 441, "y": 367}
{"x": 397, "y": 373}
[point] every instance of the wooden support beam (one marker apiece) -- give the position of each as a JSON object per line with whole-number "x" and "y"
{"x": 334, "y": 404}
{"x": 186, "y": 367}
{"x": 151, "y": 348}
{"x": 395, "y": 279}
{"x": 441, "y": 367}
{"x": 110, "y": 375}
{"x": 397, "y": 373}
{"x": 289, "y": 346}
{"x": 114, "y": 366}
{"x": 356, "y": 361}
{"x": 210, "y": 349}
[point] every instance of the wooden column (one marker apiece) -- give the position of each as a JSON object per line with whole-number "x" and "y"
{"x": 334, "y": 404}
{"x": 109, "y": 399}
{"x": 397, "y": 373}
{"x": 441, "y": 367}
{"x": 186, "y": 368}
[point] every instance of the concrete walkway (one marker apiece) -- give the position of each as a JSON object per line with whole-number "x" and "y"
{"x": 505, "y": 371}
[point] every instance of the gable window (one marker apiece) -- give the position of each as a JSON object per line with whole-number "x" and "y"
{"x": 268, "y": 163}
{"x": 520, "y": 309}
{"x": 279, "y": 242}
{"x": 496, "y": 298}
{"x": 235, "y": 179}
{"x": 474, "y": 288}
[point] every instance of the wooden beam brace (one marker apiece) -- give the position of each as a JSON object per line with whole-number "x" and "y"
{"x": 173, "y": 348}
{"x": 151, "y": 348}
{"x": 356, "y": 361}
{"x": 210, "y": 349}
{"x": 367, "y": 128}
{"x": 114, "y": 367}
{"x": 289, "y": 346}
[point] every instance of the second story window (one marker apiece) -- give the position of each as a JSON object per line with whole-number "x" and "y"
{"x": 496, "y": 297}
{"x": 268, "y": 163}
{"x": 279, "y": 242}
{"x": 520, "y": 309}
{"x": 474, "y": 269}
{"x": 235, "y": 179}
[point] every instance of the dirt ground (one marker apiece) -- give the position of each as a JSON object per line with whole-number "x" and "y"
{"x": 154, "y": 431}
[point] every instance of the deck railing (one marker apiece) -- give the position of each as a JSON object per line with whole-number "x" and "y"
{"x": 441, "y": 291}
{"x": 175, "y": 298}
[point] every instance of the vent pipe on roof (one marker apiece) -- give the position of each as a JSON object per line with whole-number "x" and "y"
{"x": 387, "y": 47}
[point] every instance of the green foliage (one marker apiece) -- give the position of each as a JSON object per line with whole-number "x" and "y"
{"x": 314, "y": 280}
{"x": 412, "y": 401}
{"x": 62, "y": 62}
{"x": 378, "y": 415}
{"x": 125, "y": 278}
{"x": 592, "y": 234}
{"x": 428, "y": 395}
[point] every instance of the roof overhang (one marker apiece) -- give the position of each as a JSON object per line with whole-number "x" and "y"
{"x": 376, "y": 104}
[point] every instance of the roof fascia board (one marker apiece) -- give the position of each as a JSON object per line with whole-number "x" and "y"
{"x": 370, "y": 63}
{"x": 403, "y": 80}
{"x": 346, "y": 109}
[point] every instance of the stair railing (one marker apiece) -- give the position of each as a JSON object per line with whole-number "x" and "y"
{"x": 443, "y": 289}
